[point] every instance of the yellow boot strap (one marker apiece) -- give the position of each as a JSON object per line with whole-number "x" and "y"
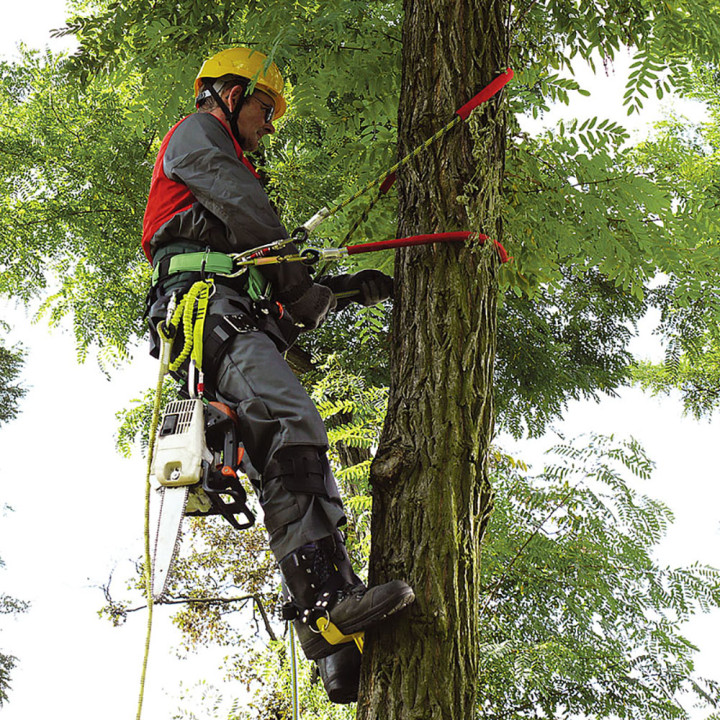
{"x": 332, "y": 634}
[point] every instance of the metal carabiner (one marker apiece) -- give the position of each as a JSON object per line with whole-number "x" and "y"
{"x": 260, "y": 251}
{"x": 312, "y": 623}
{"x": 310, "y": 256}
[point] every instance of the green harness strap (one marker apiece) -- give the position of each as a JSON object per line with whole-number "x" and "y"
{"x": 213, "y": 263}
{"x": 209, "y": 262}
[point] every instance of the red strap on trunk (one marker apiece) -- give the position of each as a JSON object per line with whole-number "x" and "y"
{"x": 486, "y": 93}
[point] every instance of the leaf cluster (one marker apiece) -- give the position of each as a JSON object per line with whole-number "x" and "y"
{"x": 75, "y": 169}
{"x": 12, "y": 360}
{"x": 549, "y": 39}
{"x": 579, "y": 619}
{"x": 684, "y": 156}
{"x": 587, "y": 322}
{"x": 8, "y": 606}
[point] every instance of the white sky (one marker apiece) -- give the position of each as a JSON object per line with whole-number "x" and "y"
{"x": 79, "y": 505}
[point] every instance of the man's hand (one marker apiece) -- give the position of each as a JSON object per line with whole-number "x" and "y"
{"x": 312, "y": 307}
{"x": 372, "y": 286}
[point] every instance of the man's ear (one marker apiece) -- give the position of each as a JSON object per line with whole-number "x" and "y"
{"x": 235, "y": 96}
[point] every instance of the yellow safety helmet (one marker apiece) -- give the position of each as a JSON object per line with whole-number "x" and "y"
{"x": 249, "y": 64}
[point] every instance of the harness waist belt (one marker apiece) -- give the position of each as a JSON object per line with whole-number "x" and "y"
{"x": 209, "y": 262}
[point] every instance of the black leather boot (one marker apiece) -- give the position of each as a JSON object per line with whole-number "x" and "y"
{"x": 322, "y": 584}
{"x": 340, "y": 673}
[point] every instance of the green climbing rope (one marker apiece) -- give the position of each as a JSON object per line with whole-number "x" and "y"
{"x": 164, "y": 362}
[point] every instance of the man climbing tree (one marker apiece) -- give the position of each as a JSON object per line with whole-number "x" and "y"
{"x": 206, "y": 200}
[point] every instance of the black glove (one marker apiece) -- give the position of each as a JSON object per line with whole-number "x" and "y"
{"x": 312, "y": 307}
{"x": 372, "y": 286}
{"x": 367, "y": 287}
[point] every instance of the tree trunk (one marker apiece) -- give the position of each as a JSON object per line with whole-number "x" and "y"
{"x": 431, "y": 497}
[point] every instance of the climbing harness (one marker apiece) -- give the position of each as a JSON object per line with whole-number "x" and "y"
{"x": 216, "y": 263}
{"x": 235, "y": 264}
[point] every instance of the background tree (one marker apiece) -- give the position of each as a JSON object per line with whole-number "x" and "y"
{"x": 8, "y": 606}
{"x": 11, "y": 391}
{"x": 576, "y": 617}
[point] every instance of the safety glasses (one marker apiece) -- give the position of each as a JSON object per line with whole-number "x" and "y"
{"x": 269, "y": 109}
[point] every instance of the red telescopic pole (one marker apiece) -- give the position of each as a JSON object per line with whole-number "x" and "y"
{"x": 427, "y": 239}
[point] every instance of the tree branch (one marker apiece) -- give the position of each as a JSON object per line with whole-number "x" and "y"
{"x": 215, "y": 601}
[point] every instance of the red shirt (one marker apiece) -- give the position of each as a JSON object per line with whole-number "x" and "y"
{"x": 169, "y": 197}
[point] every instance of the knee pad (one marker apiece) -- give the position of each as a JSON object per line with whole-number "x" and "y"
{"x": 300, "y": 469}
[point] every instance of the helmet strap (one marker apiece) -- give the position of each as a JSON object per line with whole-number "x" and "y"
{"x": 231, "y": 117}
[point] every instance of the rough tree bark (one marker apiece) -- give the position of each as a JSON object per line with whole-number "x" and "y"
{"x": 431, "y": 496}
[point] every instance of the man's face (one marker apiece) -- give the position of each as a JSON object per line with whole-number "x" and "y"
{"x": 252, "y": 123}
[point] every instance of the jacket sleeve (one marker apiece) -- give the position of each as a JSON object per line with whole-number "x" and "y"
{"x": 201, "y": 155}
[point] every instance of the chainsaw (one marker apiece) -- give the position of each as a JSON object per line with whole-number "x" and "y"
{"x": 197, "y": 458}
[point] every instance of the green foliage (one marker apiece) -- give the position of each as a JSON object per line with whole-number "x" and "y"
{"x": 579, "y": 201}
{"x": 8, "y": 606}
{"x": 582, "y": 207}
{"x": 11, "y": 391}
{"x": 134, "y": 421}
{"x": 588, "y": 233}
{"x": 620, "y": 229}
{"x": 357, "y": 338}
{"x": 73, "y": 203}
{"x": 269, "y": 673}
{"x": 550, "y": 38}
{"x": 584, "y": 320}
{"x": 696, "y": 379}
{"x": 354, "y": 414}
{"x": 578, "y": 618}
{"x": 683, "y": 156}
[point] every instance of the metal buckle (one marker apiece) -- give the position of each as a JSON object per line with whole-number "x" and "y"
{"x": 312, "y": 624}
{"x": 229, "y": 319}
